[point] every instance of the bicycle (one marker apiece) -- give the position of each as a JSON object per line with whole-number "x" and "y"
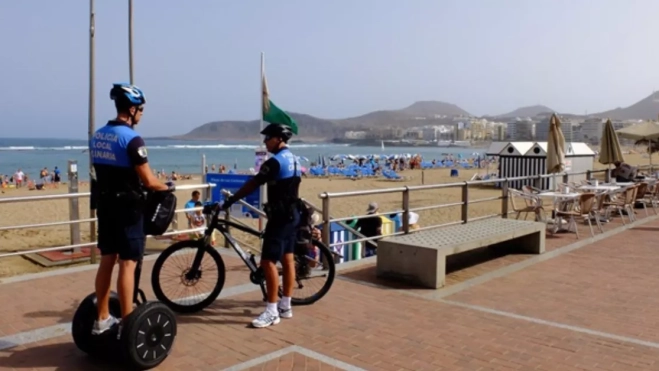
{"x": 306, "y": 266}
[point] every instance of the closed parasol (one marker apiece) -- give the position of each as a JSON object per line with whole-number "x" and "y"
{"x": 610, "y": 147}
{"x": 555, "y": 147}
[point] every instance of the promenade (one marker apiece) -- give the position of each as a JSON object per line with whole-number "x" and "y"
{"x": 588, "y": 304}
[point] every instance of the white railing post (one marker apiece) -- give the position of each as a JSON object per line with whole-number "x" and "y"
{"x": 74, "y": 217}
{"x": 326, "y": 220}
{"x": 74, "y": 207}
{"x": 406, "y": 210}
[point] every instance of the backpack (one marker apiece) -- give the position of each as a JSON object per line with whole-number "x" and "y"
{"x": 159, "y": 211}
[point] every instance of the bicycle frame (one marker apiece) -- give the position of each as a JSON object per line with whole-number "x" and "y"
{"x": 220, "y": 225}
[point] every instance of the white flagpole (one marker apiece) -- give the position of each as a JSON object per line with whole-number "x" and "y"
{"x": 261, "y": 82}
{"x": 261, "y": 147}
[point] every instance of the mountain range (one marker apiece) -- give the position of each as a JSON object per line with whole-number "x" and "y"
{"x": 418, "y": 114}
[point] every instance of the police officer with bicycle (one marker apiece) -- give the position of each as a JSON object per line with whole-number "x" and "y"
{"x": 285, "y": 211}
{"x": 121, "y": 174}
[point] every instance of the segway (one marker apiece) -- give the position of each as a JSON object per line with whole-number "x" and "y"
{"x": 141, "y": 341}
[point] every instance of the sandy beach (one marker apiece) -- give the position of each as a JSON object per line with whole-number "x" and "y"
{"x": 34, "y": 212}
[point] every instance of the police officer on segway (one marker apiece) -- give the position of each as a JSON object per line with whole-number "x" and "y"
{"x": 283, "y": 175}
{"x": 120, "y": 162}
{"x": 121, "y": 177}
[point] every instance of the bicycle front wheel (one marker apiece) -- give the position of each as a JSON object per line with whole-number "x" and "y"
{"x": 314, "y": 274}
{"x": 181, "y": 287}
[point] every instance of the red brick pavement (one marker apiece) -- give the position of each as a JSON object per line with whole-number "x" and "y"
{"x": 606, "y": 287}
{"x": 371, "y": 328}
{"x": 609, "y": 286}
{"x": 51, "y": 300}
{"x": 293, "y": 361}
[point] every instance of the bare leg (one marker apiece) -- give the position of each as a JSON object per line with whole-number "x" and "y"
{"x": 126, "y": 285}
{"x": 288, "y": 263}
{"x": 271, "y": 280}
{"x": 103, "y": 283}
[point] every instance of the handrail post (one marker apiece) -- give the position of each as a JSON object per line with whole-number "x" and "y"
{"x": 504, "y": 198}
{"x": 326, "y": 220}
{"x": 74, "y": 210}
{"x": 92, "y": 234}
{"x": 607, "y": 175}
{"x": 406, "y": 210}
{"x": 205, "y": 193}
{"x": 465, "y": 202}
{"x": 227, "y": 217}
{"x": 589, "y": 175}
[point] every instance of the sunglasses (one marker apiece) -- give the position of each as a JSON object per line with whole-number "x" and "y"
{"x": 140, "y": 109}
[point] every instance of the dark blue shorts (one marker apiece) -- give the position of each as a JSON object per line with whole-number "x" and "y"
{"x": 115, "y": 236}
{"x": 279, "y": 239}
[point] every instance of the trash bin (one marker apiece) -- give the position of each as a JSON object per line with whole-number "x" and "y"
{"x": 398, "y": 222}
{"x": 355, "y": 247}
{"x": 387, "y": 226}
{"x": 339, "y": 234}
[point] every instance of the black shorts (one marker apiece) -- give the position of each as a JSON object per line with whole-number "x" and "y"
{"x": 279, "y": 239}
{"x": 115, "y": 236}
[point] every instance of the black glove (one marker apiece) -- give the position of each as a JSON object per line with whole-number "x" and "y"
{"x": 171, "y": 187}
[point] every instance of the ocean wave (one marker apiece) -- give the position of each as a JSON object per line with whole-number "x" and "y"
{"x": 168, "y": 147}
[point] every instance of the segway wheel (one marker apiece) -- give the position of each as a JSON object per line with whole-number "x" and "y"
{"x": 148, "y": 335}
{"x": 83, "y": 321}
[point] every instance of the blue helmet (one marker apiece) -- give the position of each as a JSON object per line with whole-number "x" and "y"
{"x": 127, "y": 94}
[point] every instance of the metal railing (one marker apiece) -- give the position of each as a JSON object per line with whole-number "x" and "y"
{"x": 405, "y": 209}
{"x": 463, "y": 203}
{"x": 340, "y": 221}
{"x": 92, "y": 221}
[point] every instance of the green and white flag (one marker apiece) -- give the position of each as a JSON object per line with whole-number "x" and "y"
{"x": 274, "y": 114}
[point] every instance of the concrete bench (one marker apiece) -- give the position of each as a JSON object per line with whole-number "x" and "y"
{"x": 420, "y": 258}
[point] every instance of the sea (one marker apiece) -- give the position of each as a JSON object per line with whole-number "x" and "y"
{"x": 185, "y": 157}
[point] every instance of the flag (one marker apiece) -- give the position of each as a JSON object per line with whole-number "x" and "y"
{"x": 274, "y": 114}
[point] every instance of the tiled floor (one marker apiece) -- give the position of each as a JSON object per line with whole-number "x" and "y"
{"x": 592, "y": 308}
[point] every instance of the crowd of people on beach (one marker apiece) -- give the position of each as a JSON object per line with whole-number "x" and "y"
{"x": 47, "y": 179}
{"x": 174, "y": 176}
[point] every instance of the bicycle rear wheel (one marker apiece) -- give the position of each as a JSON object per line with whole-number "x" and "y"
{"x": 313, "y": 275}
{"x": 194, "y": 296}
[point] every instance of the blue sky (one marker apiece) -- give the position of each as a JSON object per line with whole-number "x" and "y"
{"x": 198, "y": 60}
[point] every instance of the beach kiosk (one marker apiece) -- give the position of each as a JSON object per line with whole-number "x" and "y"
{"x": 530, "y": 158}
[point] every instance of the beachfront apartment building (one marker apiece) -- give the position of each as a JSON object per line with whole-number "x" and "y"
{"x": 521, "y": 129}
{"x": 591, "y": 129}
{"x": 570, "y": 127}
{"x": 354, "y": 135}
{"x": 385, "y": 133}
{"x": 499, "y": 133}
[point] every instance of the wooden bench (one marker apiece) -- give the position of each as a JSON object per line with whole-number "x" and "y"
{"x": 420, "y": 258}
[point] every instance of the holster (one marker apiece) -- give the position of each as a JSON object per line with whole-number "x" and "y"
{"x": 121, "y": 207}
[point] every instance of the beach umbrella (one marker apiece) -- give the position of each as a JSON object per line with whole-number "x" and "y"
{"x": 555, "y": 148}
{"x": 647, "y": 131}
{"x": 610, "y": 147}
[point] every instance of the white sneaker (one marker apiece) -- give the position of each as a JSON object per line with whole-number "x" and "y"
{"x": 266, "y": 319}
{"x": 285, "y": 313}
{"x": 104, "y": 325}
